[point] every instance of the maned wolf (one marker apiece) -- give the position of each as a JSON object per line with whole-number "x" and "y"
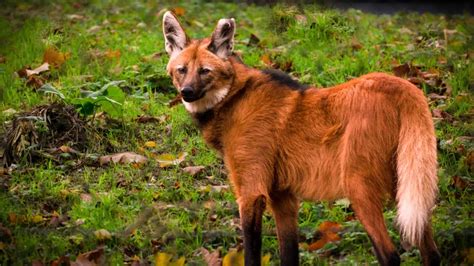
{"x": 368, "y": 140}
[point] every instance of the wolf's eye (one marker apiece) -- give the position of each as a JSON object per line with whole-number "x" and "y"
{"x": 204, "y": 71}
{"x": 182, "y": 70}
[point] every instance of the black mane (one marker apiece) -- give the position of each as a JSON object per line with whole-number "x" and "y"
{"x": 283, "y": 78}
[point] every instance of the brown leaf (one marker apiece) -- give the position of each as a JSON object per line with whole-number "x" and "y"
{"x": 470, "y": 161}
{"x": 178, "y": 11}
{"x": 193, "y": 170}
{"x": 355, "y": 44}
{"x": 151, "y": 119}
{"x": 123, "y": 158}
{"x": 175, "y": 101}
{"x": 405, "y": 70}
{"x": 328, "y": 232}
{"x": 253, "y": 40}
{"x": 212, "y": 259}
{"x": 460, "y": 182}
{"x": 111, "y": 54}
{"x": 3, "y": 59}
{"x": 266, "y": 60}
{"x": 63, "y": 260}
{"x": 54, "y": 57}
{"x": 35, "y": 81}
{"x": 91, "y": 258}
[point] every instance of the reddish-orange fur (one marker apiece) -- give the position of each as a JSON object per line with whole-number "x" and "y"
{"x": 282, "y": 145}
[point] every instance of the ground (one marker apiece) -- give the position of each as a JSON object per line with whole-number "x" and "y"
{"x": 59, "y": 198}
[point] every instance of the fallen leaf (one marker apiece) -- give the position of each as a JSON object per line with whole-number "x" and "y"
{"x": 86, "y": 197}
{"x": 165, "y": 259}
{"x": 35, "y": 81}
{"x": 193, "y": 170}
{"x": 123, "y": 158}
{"x": 111, "y": 54}
{"x": 75, "y": 17}
{"x": 9, "y": 112}
{"x": 37, "y": 219}
{"x": 175, "y": 101}
{"x": 233, "y": 258}
{"x": 355, "y": 44}
{"x": 460, "y": 182}
{"x": 178, "y": 11}
{"x": 102, "y": 234}
{"x": 212, "y": 259}
{"x": 91, "y": 258}
{"x": 167, "y": 159}
{"x": 94, "y": 29}
{"x": 44, "y": 67}
{"x": 54, "y": 57}
{"x": 266, "y": 59}
{"x": 152, "y": 119}
{"x": 253, "y": 40}
{"x": 5, "y": 233}
{"x": 3, "y": 59}
{"x": 150, "y": 144}
{"x": 328, "y": 233}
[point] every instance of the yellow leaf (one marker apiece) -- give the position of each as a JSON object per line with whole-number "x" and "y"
{"x": 54, "y": 57}
{"x": 167, "y": 159}
{"x": 2, "y": 246}
{"x": 266, "y": 260}
{"x": 233, "y": 258}
{"x": 164, "y": 259}
{"x": 37, "y": 219}
{"x": 150, "y": 144}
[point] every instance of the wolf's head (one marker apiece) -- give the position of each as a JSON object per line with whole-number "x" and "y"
{"x": 199, "y": 68}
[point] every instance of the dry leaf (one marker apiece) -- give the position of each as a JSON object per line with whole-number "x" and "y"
{"x": 111, "y": 54}
{"x": 37, "y": 219}
{"x": 35, "y": 81}
{"x": 123, "y": 158}
{"x": 193, "y": 170}
{"x": 150, "y": 144}
{"x": 54, "y": 57}
{"x": 75, "y": 17}
{"x": 175, "y": 101}
{"x": 178, "y": 11}
{"x": 3, "y": 59}
{"x": 86, "y": 197}
{"x": 103, "y": 234}
{"x": 328, "y": 231}
{"x": 91, "y": 258}
{"x": 167, "y": 159}
{"x": 165, "y": 259}
{"x": 253, "y": 40}
{"x": 266, "y": 59}
{"x": 355, "y": 44}
{"x": 44, "y": 67}
{"x": 212, "y": 259}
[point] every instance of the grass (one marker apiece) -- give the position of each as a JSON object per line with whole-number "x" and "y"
{"x": 150, "y": 209}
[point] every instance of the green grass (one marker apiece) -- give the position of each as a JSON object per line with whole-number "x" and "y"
{"x": 170, "y": 205}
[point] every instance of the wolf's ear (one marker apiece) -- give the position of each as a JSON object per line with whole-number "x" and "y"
{"x": 222, "y": 40}
{"x": 175, "y": 37}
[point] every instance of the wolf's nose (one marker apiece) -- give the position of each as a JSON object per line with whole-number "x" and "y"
{"x": 187, "y": 92}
